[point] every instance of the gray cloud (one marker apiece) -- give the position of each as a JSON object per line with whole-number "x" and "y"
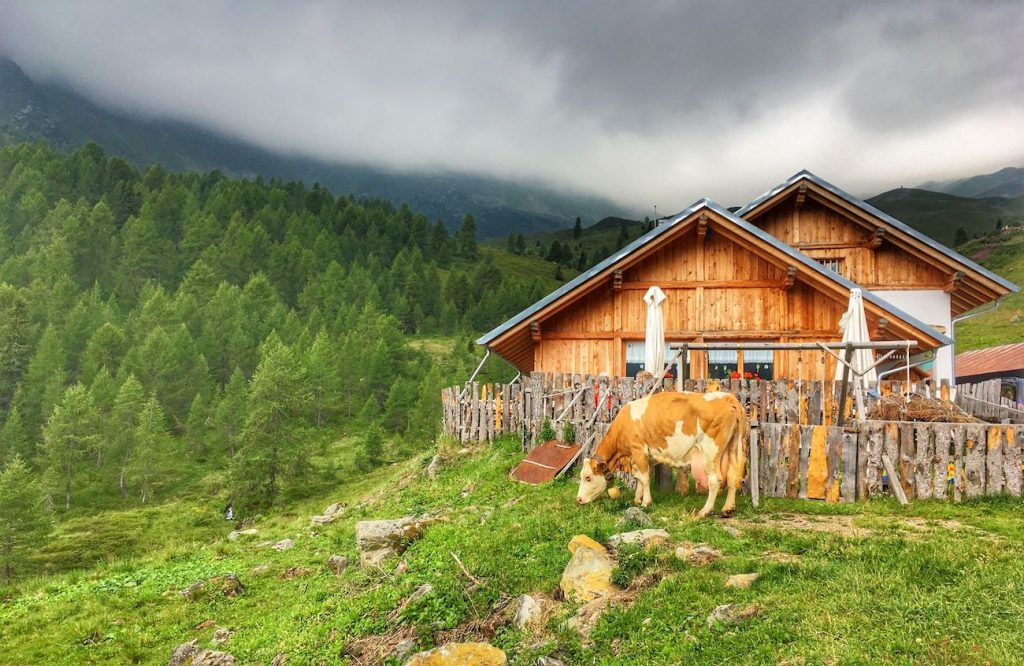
{"x": 647, "y": 103}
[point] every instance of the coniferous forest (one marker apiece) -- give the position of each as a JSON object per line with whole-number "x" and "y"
{"x": 159, "y": 325}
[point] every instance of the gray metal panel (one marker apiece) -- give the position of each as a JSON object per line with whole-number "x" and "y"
{"x": 888, "y": 219}
{"x": 670, "y": 222}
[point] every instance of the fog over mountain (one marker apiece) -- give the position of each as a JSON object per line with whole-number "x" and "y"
{"x": 652, "y": 104}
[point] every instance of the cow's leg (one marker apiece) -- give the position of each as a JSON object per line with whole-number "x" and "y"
{"x": 733, "y": 472}
{"x": 642, "y": 473}
{"x": 714, "y": 483}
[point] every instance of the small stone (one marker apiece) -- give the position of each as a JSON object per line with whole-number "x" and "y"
{"x": 634, "y": 515}
{"x": 205, "y": 624}
{"x": 528, "y": 612}
{"x": 586, "y": 542}
{"x": 465, "y": 451}
{"x": 434, "y": 468}
{"x": 230, "y": 585}
{"x": 292, "y": 573}
{"x": 402, "y": 568}
{"x": 742, "y": 581}
{"x": 588, "y": 575}
{"x": 221, "y": 636}
{"x": 194, "y": 591}
{"x": 259, "y": 569}
{"x": 646, "y": 538}
{"x": 330, "y": 514}
{"x": 732, "y": 614}
{"x": 419, "y": 593}
{"x": 283, "y": 544}
{"x": 732, "y": 531}
{"x": 280, "y": 659}
{"x": 213, "y": 658}
{"x": 235, "y": 534}
{"x": 183, "y": 653}
{"x": 379, "y": 539}
{"x": 403, "y": 650}
{"x": 458, "y": 654}
{"x": 337, "y": 563}
{"x": 699, "y": 555}
{"x": 549, "y": 661}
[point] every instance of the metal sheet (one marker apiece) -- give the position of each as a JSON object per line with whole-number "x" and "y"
{"x": 544, "y": 462}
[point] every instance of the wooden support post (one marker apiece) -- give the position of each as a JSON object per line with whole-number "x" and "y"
{"x": 894, "y": 480}
{"x": 664, "y": 475}
{"x": 755, "y": 476}
{"x": 845, "y": 385}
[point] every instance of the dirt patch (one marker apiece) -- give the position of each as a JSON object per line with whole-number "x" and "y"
{"x": 913, "y": 528}
{"x": 375, "y": 649}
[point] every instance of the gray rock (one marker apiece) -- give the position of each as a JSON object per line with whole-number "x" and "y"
{"x": 419, "y": 593}
{"x": 698, "y": 555}
{"x": 645, "y": 538}
{"x": 221, "y": 636}
{"x": 330, "y": 514}
{"x": 337, "y": 563}
{"x": 194, "y": 591}
{"x": 183, "y": 654}
{"x": 732, "y": 614}
{"x": 213, "y": 658}
{"x": 404, "y": 650}
{"x": 549, "y": 661}
{"x": 230, "y": 585}
{"x": 379, "y": 539}
{"x": 634, "y": 515}
{"x": 283, "y": 544}
{"x": 742, "y": 581}
{"x": 434, "y": 468}
{"x": 528, "y": 612}
{"x": 280, "y": 659}
{"x": 732, "y": 531}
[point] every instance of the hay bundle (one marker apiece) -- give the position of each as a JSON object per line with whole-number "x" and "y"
{"x": 918, "y": 408}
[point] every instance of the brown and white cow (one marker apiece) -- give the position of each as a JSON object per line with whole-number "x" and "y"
{"x": 676, "y": 429}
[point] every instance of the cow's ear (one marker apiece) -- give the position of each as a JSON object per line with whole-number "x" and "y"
{"x": 599, "y": 466}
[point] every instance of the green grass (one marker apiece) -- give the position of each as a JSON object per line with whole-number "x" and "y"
{"x": 1002, "y": 254}
{"x": 890, "y": 592}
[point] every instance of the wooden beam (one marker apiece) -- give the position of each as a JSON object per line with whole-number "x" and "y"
{"x": 617, "y": 280}
{"x": 790, "y": 279}
{"x": 876, "y": 239}
{"x": 801, "y": 195}
{"x": 535, "y": 330}
{"x": 711, "y": 284}
{"x": 692, "y": 335}
{"x": 954, "y": 281}
{"x": 702, "y": 227}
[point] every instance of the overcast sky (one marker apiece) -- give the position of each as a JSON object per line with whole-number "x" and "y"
{"x": 649, "y": 103}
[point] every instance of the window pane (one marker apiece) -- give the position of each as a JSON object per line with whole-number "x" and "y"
{"x": 722, "y": 363}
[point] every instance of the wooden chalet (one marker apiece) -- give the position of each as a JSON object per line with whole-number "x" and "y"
{"x": 779, "y": 270}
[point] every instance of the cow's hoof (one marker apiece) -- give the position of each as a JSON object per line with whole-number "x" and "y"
{"x": 703, "y": 514}
{"x": 727, "y": 513}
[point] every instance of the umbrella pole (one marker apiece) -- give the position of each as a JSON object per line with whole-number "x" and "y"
{"x": 845, "y": 385}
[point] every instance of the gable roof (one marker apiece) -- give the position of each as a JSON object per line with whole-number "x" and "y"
{"x": 670, "y": 224}
{"x": 885, "y": 218}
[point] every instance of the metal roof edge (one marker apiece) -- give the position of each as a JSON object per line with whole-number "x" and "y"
{"x": 885, "y": 217}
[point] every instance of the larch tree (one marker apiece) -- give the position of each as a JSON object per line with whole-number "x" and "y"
{"x": 24, "y": 519}
{"x": 229, "y": 414}
{"x": 68, "y": 437}
{"x": 14, "y": 438}
{"x": 124, "y": 421}
{"x": 151, "y": 442}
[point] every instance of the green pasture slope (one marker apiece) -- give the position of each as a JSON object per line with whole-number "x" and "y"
{"x": 1002, "y": 253}
{"x": 867, "y": 583}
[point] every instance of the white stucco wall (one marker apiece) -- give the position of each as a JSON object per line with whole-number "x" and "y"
{"x": 932, "y": 307}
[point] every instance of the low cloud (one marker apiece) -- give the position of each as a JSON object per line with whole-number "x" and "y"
{"x": 647, "y": 103}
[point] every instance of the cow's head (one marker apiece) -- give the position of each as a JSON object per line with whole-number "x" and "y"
{"x": 593, "y": 480}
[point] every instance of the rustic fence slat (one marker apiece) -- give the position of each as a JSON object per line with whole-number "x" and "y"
{"x": 792, "y": 488}
{"x": 848, "y": 490}
{"x": 805, "y": 455}
{"x": 907, "y": 458}
{"x": 834, "y": 460}
{"x": 1013, "y": 440}
{"x": 943, "y": 438}
{"x": 874, "y": 460}
{"x": 755, "y": 476}
{"x": 817, "y": 464}
{"x": 923, "y": 463}
{"x": 959, "y": 434}
{"x": 974, "y": 463}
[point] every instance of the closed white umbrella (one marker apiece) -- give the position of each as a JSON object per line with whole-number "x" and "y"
{"x": 854, "y": 326}
{"x": 654, "y": 340}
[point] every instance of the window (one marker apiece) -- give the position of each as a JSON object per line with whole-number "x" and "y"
{"x": 832, "y": 264}
{"x": 722, "y": 363}
{"x": 635, "y": 357}
{"x": 759, "y": 362}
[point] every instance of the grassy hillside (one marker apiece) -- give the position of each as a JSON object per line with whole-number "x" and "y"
{"x": 1002, "y": 253}
{"x": 939, "y": 215}
{"x": 839, "y": 584}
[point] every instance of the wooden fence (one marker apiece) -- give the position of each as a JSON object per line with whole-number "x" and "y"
{"x": 480, "y": 412}
{"x": 931, "y": 460}
{"x": 985, "y": 401}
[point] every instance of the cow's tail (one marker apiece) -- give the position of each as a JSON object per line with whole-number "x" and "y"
{"x": 734, "y": 459}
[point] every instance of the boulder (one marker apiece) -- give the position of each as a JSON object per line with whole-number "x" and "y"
{"x": 234, "y": 535}
{"x": 337, "y": 563}
{"x": 283, "y": 544}
{"x": 434, "y": 468}
{"x": 459, "y": 654}
{"x": 646, "y": 538}
{"x": 330, "y": 514}
{"x": 586, "y": 542}
{"x": 698, "y": 555}
{"x": 183, "y": 654}
{"x": 528, "y": 612}
{"x": 221, "y": 636}
{"x": 213, "y": 658}
{"x": 588, "y": 575}
{"x": 229, "y": 584}
{"x": 634, "y": 515}
{"x": 742, "y": 581}
{"x": 379, "y": 539}
{"x": 732, "y": 614}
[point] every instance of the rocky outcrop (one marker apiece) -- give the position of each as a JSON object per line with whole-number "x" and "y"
{"x": 183, "y": 654}
{"x": 460, "y": 654}
{"x": 379, "y": 539}
{"x": 434, "y": 468}
{"x": 283, "y": 544}
{"x": 646, "y": 538}
{"x": 330, "y": 514}
{"x": 586, "y": 542}
{"x": 213, "y": 658}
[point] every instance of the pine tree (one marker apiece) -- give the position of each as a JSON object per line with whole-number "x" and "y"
{"x": 272, "y": 447}
{"x": 581, "y": 263}
{"x": 151, "y": 440}
{"x": 68, "y": 437}
{"x": 14, "y": 439}
{"x": 124, "y": 420}
{"x": 371, "y": 449}
{"x": 229, "y": 414}
{"x": 105, "y": 349}
{"x": 24, "y": 520}
{"x": 520, "y": 244}
{"x": 322, "y": 363}
{"x": 577, "y": 230}
{"x": 465, "y": 239}
{"x": 960, "y": 237}
{"x": 197, "y": 425}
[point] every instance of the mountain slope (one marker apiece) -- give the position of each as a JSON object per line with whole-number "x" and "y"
{"x": 1007, "y": 182}
{"x": 30, "y": 111}
{"x": 1002, "y": 253}
{"x": 939, "y": 215}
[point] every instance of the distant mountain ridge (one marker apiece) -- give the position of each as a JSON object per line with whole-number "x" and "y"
{"x": 31, "y": 111}
{"x": 1007, "y": 182}
{"x": 939, "y": 215}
